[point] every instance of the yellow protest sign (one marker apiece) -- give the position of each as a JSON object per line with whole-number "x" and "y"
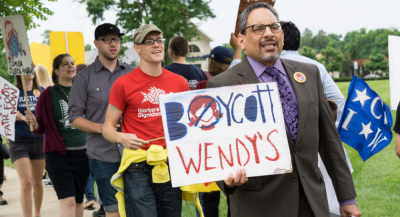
{"x": 41, "y": 55}
{"x": 68, "y": 42}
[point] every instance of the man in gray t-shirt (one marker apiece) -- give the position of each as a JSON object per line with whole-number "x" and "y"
{"x": 88, "y": 106}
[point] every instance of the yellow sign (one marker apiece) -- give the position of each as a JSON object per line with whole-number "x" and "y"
{"x": 41, "y": 55}
{"x": 68, "y": 42}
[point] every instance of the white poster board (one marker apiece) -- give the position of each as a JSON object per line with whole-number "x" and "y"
{"x": 213, "y": 132}
{"x": 16, "y": 45}
{"x": 394, "y": 71}
{"x": 8, "y": 108}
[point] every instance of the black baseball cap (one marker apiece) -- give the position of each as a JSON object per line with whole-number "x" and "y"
{"x": 219, "y": 54}
{"x": 107, "y": 29}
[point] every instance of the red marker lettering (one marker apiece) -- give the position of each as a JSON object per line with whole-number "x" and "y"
{"x": 187, "y": 168}
{"x": 254, "y": 142}
{"x": 276, "y": 150}
{"x": 237, "y": 150}
{"x": 222, "y": 153}
{"x": 205, "y": 160}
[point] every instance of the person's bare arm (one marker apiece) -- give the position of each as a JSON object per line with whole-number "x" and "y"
{"x": 87, "y": 126}
{"x": 398, "y": 145}
{"x": 129, "y": 141}
{"x": 235, "y": 45}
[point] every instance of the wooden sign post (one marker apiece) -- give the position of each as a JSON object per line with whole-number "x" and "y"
{"x": 18, "y": 54}
{"x": 213, "y": 132}
{"x": 243, "y": 4}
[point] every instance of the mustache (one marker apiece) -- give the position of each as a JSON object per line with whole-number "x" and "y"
{"x": 268, "y": 40}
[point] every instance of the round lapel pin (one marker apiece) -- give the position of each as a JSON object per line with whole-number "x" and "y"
{"x": 36, "y": 92}
{"x": 299, "y": 77}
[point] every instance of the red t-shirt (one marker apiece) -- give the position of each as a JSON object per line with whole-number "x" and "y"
{"x": 136, "y": 95}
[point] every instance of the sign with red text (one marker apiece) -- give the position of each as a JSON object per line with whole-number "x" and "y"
{"x": 16, "y": 45}
{"x": 213, "y": 132}
{"x": 8, "y": 108}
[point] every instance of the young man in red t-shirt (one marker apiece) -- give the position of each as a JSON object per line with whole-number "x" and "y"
{"x": 135, "y": 98}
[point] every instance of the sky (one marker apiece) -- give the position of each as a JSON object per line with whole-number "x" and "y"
{"x": 338, "y": 16}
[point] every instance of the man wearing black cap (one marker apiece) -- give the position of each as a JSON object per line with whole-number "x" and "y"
{"x": 88, "y": 107}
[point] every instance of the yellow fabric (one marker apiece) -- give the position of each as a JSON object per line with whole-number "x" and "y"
{"x": 156, "y": 156}
{"x": 41, "y": 55}
{"x": 76, "y": 47}
{"x": 201, "y": 187}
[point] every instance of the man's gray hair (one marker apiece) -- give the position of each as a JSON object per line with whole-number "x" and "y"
{"x": 244, "y": 16}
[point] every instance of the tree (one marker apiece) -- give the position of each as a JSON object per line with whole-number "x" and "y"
{"x": 173, "y": 17}
{"x": 88, "y": 47}
{"x": 332, "y": 59}
{"x": 46, "y": 36}
{"x": 306, "y": 38}
{"x": 29, "y": 8}
{"x": 376, "y": 62}
{"x": 4, "y": 68}
{"x": 308, "y": 52}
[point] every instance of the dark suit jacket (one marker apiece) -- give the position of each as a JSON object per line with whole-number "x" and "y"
{"x": 278, "y": 195}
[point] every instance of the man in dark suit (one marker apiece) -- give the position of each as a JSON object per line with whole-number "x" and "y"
{"x": 309, "y": 124}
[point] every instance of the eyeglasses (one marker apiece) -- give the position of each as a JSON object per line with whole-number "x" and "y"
{"x": 109, "y": 40}
{"x": 259, "y": 29}
{"x": 151, "y": 41}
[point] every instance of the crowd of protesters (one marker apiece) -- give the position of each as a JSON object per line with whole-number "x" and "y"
{"x": 84, "y": 124}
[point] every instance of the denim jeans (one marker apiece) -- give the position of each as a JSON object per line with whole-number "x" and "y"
{"x": 102, "y": 173}
{"x": 89, "y": 190}
{"x": 143, "y": 198}
{"x": 201, "y": 203}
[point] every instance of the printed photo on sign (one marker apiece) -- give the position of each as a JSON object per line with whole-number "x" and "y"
{"x": 213, "y": 132}
{"x": 16, "y": 45}
{"x": 8, "y": 108}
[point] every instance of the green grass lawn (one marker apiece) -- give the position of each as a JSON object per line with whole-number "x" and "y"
{"x": 377, "y": 180}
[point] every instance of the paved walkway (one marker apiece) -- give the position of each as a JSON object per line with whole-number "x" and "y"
{"x": 11, "y": 189}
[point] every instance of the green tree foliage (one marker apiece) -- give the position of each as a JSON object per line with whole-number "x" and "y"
{"x": 173, "y": 17}
{"x": 31, "y": 9}
{"x": 46, "y": 36}
{"x": 360, "y": 44}
{"x": 88, "y": 47}
{"x": 376, "y": 62}
{"x": 308, "y": 52}
{"x": 332, "y": 59}
{"x": 4, "y": 68}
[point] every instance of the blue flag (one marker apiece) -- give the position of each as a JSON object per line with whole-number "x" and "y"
{"x": 366, "y": 123}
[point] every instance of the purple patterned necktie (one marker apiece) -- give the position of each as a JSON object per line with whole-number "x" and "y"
{"x": 290, "y": 111}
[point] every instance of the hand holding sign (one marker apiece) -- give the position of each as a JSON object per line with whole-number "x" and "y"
{"x": 215, "y": 132}
{"x": 30, "y": 119}
{"x": 130, "y": 141}
{"x": 239, "y": 179}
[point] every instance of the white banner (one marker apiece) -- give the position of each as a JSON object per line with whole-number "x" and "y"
{"x": 16, "y": 45}
{"x": 8, "y": 108}
{"x": 213, "y": 132}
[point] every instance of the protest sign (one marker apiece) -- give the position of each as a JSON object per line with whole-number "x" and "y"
{"x": 8, "y": 108}
{"x": 243, "y": 4}
{"x": 68, "y": 42}
{"x": 41, "y": 55}
{"x": 16, "y": 45}
{"x": 394, "y": 71}
{"x": 213, "y": 132}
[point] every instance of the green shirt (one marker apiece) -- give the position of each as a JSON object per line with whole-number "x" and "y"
{"x": 72, "y": 136}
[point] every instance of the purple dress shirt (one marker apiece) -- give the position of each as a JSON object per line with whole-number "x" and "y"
{"x": 259, "y": 69}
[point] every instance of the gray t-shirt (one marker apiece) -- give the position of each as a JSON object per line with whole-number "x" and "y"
{"x": 89, "y": 99}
